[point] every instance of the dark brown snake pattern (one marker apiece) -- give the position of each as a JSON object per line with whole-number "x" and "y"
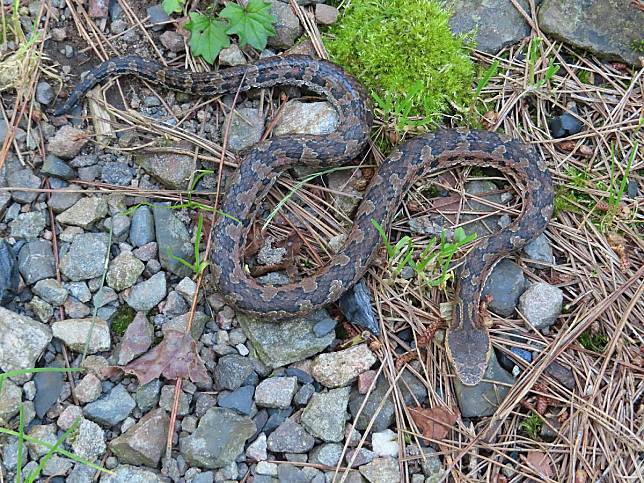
{"x": 468, "y": 344}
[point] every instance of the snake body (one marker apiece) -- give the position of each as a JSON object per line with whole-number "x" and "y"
{"x": 467, "y": 342}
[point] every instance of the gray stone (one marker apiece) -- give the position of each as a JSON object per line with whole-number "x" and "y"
{"x": 81, "y": 334}
{"x": 385, "y": 443}
{"x": 218, "y": 440}
{"x": 173, "y": 239}
{"x": 307, "y": 118}
{"x": 36, "y": 261}
{"x": 276, "y": 392}
{"x": 51, "y": 290}
{"x": 256, "y": 451}
{"x": 488, "y": 191}
{"x": 44, "y": 93}
{"x": 167, "y": 400}
{"x": 291, "y": 474}
{"x": 505, "y": 284}
{"x": 22, "y": 341}
{"x": 147, "y": 395}
{"x": 88, "y": 389}
{"x": 326, "y": 14}
{"x": 277, "y": 345}
{"x": 117, "y": 173}
{"x": 246, "y": 128}
{"x": 9, "y": 280}
{"x": 124, "y": 271}
{"x": 326, "y": 454}
{"x": 240, "y": 400}
{"x": 326, "y": 413}
{"x": 119, "y": 225}
{"x": 290, "y": 437}
{"x": 231, "y": 56}
{"x": 84, "y": 213}
{"x": 172, "y": 170}
{"x": 23, "y": 178}
{"x": 142, "y": 227}
{"x": 67, "y": 142}
{"x": 41, "y": 309}
{"x": 231, "y": 371}
{"x": 48, "y": 387}
{"x": 28, "y": 226}
{"x": 42, "y": 432}
{"x": 303, "y": 396}
{"x": 81, "y": 474}
{"x": 381, "y": 470}
{"x": 497, "y": 23}
{"x": 85, "y": 258}
{"x": 611, "y": 29}
{"x": 146, "y": 295}
{"x": 541, "y": 304}
{"x": 10, "y": 399}
{"x": 157, "y": 15}
{"x": 54, "y": 166}
{"x": 132, "y": 474}
{"x": 64, "y": 198}
{"x": 337, "y": 369}
{"x": 172, "y": 41}
{"x": 143, "y": 443}
{"x": 180, "y": 323}
{"x": 539, "y": 250}
{"x": 111, "y": 409}
{"x": 80, "y": 290}
{"x": 286, "y": 25}
{"x": 358, "y": 457}
{"x": 485, "y": 397}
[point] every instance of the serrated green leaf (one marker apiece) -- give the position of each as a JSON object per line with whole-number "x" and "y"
{"x": 208, "y": 36}
{"x": 253, "y": 24}
{"x": 172, "y": 6}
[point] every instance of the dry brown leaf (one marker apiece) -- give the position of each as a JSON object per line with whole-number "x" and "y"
{"x": 540, "y": 462}
{"x": 176, "y": 356}
{"x": 435, "y": 423}
{"x": 136, "y": 340}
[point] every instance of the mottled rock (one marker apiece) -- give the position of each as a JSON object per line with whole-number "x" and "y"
{"x": 246, "y": 128}
{"x": 84, "y": 213}
{"x": 142, "y": 227}
{"x": 505, "y": 284}
{"x": 326, "y": 413}
{"x": 328, "y": 454}
{"x": 541, "y": 304}
{"x": 290, "y": 437}
{"x": 67, "y": 142}
{"x": 85, "y": 258}
{"x": 231, "y": 371}
{"x": 326, "y": 14}
{"x": 79, "y": 333}
{"x": 146, "y": 295}
{"x": 36, "y": 261}
{"x": 112, "y": 408}
{"x": 172, "y": 170}
{"x": 124, "y": 271}
{"x": 256, "y": 451}
{"x": 147, "y": 395}
{"x": 172, "y": 41}
{"x": 385, "y": 443}
{"x": 23, "y": 178}
{"x": 10, "y": 399}
{"x": 41, "y": 432}
{"x": 276, "y": 392}
{"x": 381, "y": 470}
{"x": 143, "y": 443}
{"x": 307, "y": 118}
{"x": 286, "y": 25}
{"x": 28, "y": 226}
{"x": 240, "y": 400}
{"x": 172, "y": 238}
{"x": 88, "y": 389}
{"x": 132, "y": 474}
{"x": 22, "y": 341}
{"x": 336, "y": 369}
{"x": 231, "y": 56}
{"x": 539, "y": 250}
{"x": 64, "y": 198}
{"x": 9, "y": 280}
{"x": 44, "y": 92}
{"x": 54, "y": 166}
{"x": 51, "y": 290}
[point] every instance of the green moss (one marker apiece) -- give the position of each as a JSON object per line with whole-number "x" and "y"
{"x": 121, "y": 319}
{"x": 404, "y": 52}
{"x": 532, "y": 425}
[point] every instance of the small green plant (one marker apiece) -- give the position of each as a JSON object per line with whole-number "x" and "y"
{"x": 533, "y": 56}
{"x": 210, "y": 33}
{"x": 595, "y": 342}
{"x": 532, "y": 425}
{"x": 199, "y": 265}
{"x": 616, "y": 188}
{"x": 432, "y": 264}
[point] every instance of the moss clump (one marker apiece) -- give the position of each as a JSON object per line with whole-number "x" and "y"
{"x": 404, "y": 52}
{"x": 121, "y": 319}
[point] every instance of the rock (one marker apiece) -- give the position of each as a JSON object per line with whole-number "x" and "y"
{"x": 42, "y": 432}
{"x": 50, "y": 290}
{"x": 172, "y": 41}
{"x": 143, "y": 443}
{"x": 172, "y": 170}
{"x": 142, "y": 227}
{"x": 64, "y": 198}
{"x": 22, "y": 341}
{"x": 336, "y": 369}
{"x": 265, "y": 468}
{"x": 484, "y": 398}
{"x": 167, "y": 400}
{"x": 609, "y": 29}
{"x": 88, "y": 389}
{"x": 541, "y": 304}
{"x": 28, "y": 226}
{"x": 157, "y": 15}
{"x": 117, "y": 173}
{"x": 290, "y": 437}
{"x": 256, "y": 451}
{"x": 325, "y": 415}
{"x": 132, "y": 474}
{"x": 187, "y": 288}
{"x": 36, "y": 261}
{"x": 41, "y": 309}
{"x": 324, "y": 327}
{"x": 286, "y": 25}
{"x": 231, "y": 56}
{"x": 180, "y": 323}
{"x": 505, "y": 284}
{"x": 54, "y": 166}
{"x": 147, "y": 252}
{"x": 240, "y": 400}
{"x": 147, "y": 395}
{"x": 74, "y": 333}
{"x": 385, "y": 443}
{"x": 119, "y": 225}
{"x": 9, "y": 280}
{"x": 67, "y": 142}
{"x": 488, "y": 191}
{"x": 381, "y": 470}
{"x": 539, "y": 250}
{"x": 218, "y": 440}
{"x": 84, "y": 213}
{"x": 365, "y": 380}
{"x": 110, "y": 409}
{"x": 231, "y": 371}
{"x": 48, "y": 387}
{"x": 23, "y": 178}
{"x": 303, "y": 396}
{"x": 326, "y": 14}
{"x": 359, "y": 457}
{"x": 356, "y": 305}
{"x": 148, "y": 294}
{"x": 124, "y": 271}
{"x": 137, "y": 339}
{"x": 328, "y": 454}
{"x": 307, "y": 118}
{"x": 276, "y": 392}
{"x": 85, "y": 258}
{"x": 10, "y": 399}
{"x": 44, "y": 93}
{"x": 277, "y": 345}
{"x": 246, "y": 128}
{"x": 566, "y": 124}
{"x": 172, "y": 238}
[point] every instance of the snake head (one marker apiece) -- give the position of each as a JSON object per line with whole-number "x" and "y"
{"x": 468, "y": 351}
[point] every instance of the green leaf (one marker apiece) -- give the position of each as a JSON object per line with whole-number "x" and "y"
{"x": 208, "y": 36}
{"x": 172, "y": 6}
{"x": 253, "y": 23}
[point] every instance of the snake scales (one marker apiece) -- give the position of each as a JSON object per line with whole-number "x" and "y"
{"x": 468, "y": 344}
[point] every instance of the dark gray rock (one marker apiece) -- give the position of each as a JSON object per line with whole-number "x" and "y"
{"x": 118, "y": 173}
{"x": 51, "y": 290}
{"x": 48, "y": 387}
{"x": 356, "y": 305}
{"x": 111, "y": 409}
{"x": 147, "y": 294}
{"x": 142, "y": 227}
{"x": 218, "y": 440}
{"x": 324, "y": 326}
{"x": 566, "y": 124}
{"x": 36, "y": 261}
{"x": 143, "y": 443}
{"x": 326, "y": 413}
{"x": 63, "y": 199}
{"x": 54, "y": 166}
{"x": 505, "y": 284}
{"x": 28, "y": 226}
{"x": 172, "y": 170}
{"x": 488, "y": 191}
{"x": 286, "y": 25}
{"x": 231, "y": 371}
{"x": 290, "y": 437}
{"x": 157, "y": 15}
{"x": 44, "y": 93}
{"x": 304, "y": 394}
{"x": 85, "y": 258}
{"x": 539, "y": 250}
{"x": 611, "y": 29}
{"x": 172, "y": 238}
{"x": 246, "y": 128}
{"x": 147, "y": 395}
{"x": 23, "y": 178}
{"x": 9, "y": 280}
{"x": 240, "y": 400}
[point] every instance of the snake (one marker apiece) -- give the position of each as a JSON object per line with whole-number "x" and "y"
{"x": 467, "y": 341}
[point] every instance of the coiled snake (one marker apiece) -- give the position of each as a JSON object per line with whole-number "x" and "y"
{"x": 468, "y": 344}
